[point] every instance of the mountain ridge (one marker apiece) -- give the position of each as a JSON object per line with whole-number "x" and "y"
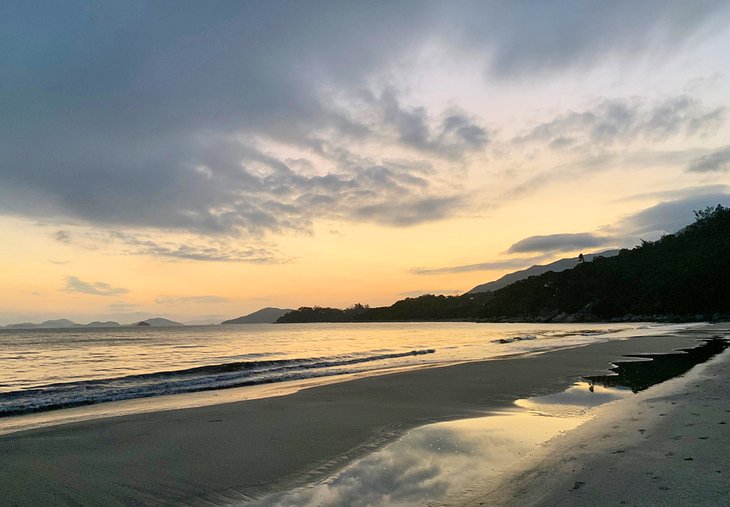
{"x": 267, "y": 315}
{"x": 538, "y": 269}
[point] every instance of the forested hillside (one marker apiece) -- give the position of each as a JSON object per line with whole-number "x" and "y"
{"x": 682, "y": 276}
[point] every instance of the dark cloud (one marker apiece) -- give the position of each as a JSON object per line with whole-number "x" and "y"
{"x": 559, "y": 243}
{"x": 73, "y": 284}
{"x": 174, "y": 300}
{"x": 483, "y": 266}
{"x": 454, "y": 136}
{"x": 408, "y": 212}
{"x": 216, "y": 251}
{"x": 719, "y": 161}
{"x": 623, "y": 120}
{"x": 63, "y": 236}
{"x": 545, "y": 37}
{"x": 679, "y": 194}
{"x": 668, "y": 217}
{"x": 137, "y": 114}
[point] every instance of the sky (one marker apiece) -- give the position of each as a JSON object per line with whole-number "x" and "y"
{"x": 200, "y": 160}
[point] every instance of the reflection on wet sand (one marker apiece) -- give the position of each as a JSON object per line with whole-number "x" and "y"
{"x": 445, "y": 463}
{"x": 432, "y": 463}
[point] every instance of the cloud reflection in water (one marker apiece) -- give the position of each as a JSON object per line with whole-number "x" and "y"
{"x": 433, "y": 463}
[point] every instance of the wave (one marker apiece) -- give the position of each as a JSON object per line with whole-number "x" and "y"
{"x": 557, "y": 334}
{"x": 201, "y": 378}
{"x": 516, "y": 339}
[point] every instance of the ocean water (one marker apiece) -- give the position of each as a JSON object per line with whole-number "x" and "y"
{"x": 42, "y": 370}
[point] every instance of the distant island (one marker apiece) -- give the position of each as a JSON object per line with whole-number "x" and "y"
{"x": 158, "y": 322}
{"x": 263, "y": 316}
{"x": 66, "y": 323}
{"x": 680, "y": 277}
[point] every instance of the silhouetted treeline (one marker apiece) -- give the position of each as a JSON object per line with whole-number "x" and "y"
{"x": 320, "y": 314}
{"x": 427, "y": 307}
{"x": 681, "y": 276}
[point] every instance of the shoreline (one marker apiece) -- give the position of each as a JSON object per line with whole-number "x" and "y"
{"x": 253, "y": 447}
{"x": 229, "y": 394}
{"x": 668, "y": 445}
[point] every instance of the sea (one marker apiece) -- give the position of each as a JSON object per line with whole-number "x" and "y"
{"x": 45, "y": 370}
{"x": 51, "y": 369}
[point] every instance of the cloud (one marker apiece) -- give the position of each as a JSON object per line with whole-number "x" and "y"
{"x": 172, "y": 300}
{"x": 668, "y": 217}
{"x": 457, "y": 133}
{"x": 586, "y": 164}
{"x": 160, "y": 115}
{"x": 520, "y": 262}
{"x": 529, "y": 39}
{"x": 63, "y": 236}
{"x": 73, "y": 284}
{"x": 410, "y": 212}
{"x": 623, "y": 120}
{"x": 719, "y": 161}
{"x": 683, "y": 193}
{"x": 559, "y": 242}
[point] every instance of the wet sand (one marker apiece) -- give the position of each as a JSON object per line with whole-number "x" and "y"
{"x": 669, "y": 445}
{"x": 245, "y": 449}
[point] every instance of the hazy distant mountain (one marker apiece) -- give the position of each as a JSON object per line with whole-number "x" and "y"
{"x": 61, "y": 324}
{"x": 263, "y": 316}
{"x": 48, "y": 324}
{"x": 539, "y": 269}
{"x": 159, "y": 322}
{"x": 106, "y": 323}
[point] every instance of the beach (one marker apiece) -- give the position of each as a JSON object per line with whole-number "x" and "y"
{"x": 231, "y": 452}
{"x": 668, "y": 445}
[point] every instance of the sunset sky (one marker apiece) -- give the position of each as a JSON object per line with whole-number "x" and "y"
{"x": 201, "y": 160}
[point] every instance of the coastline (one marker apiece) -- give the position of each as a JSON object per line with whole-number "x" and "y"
{"x": 246, "y": 449}
{"x": 668, "y": 445}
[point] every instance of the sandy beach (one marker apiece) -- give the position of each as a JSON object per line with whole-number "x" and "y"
{"x": 668, "y": 445}
{"x": 245, "y": 449}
